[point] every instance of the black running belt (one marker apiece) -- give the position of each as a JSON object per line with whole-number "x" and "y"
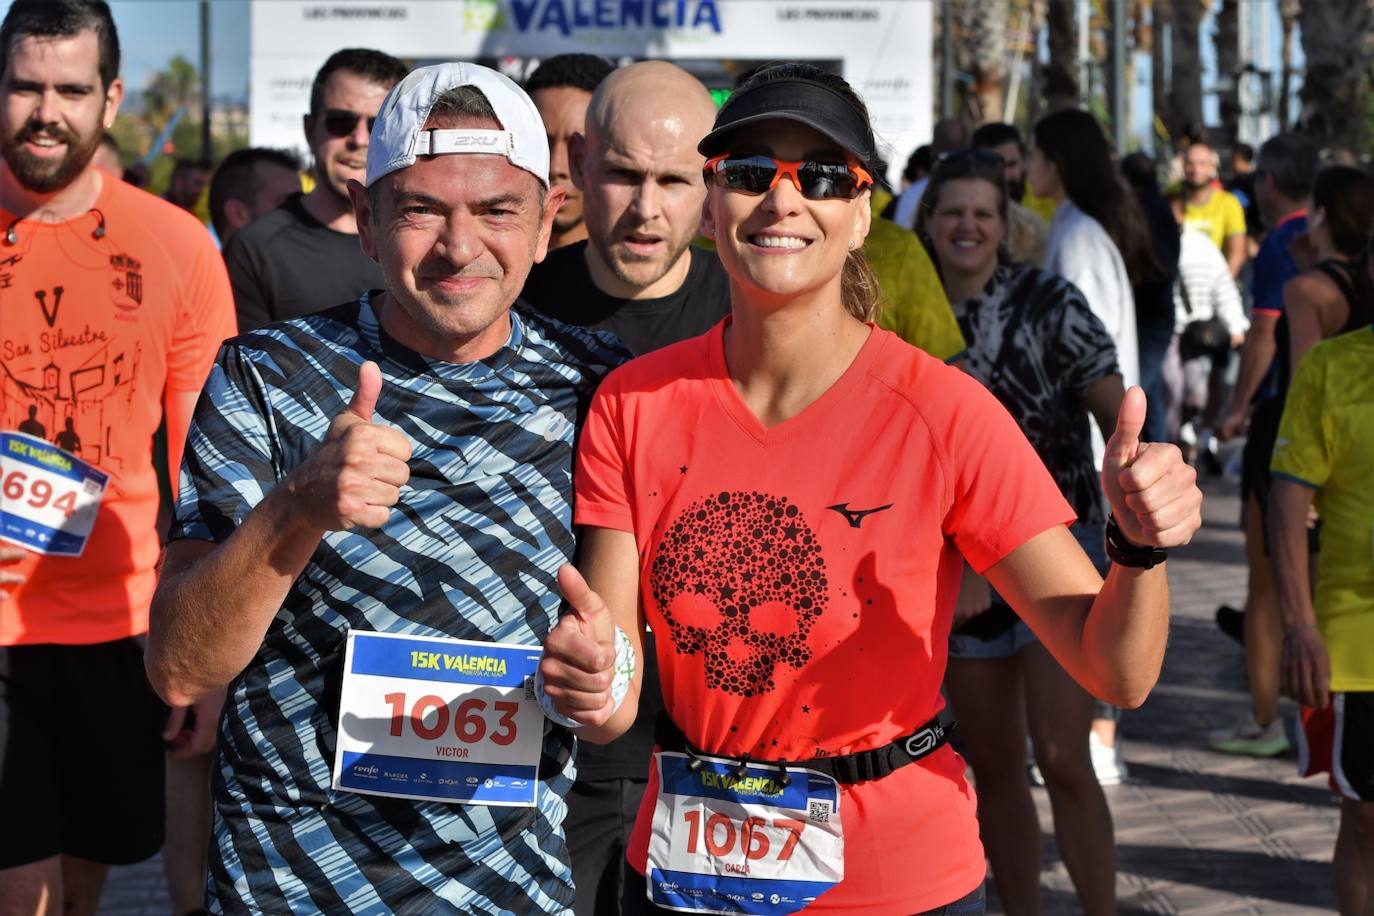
{"x": 846, "y": 769}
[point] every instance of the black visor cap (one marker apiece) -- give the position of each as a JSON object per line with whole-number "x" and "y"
{"x": 804, "y": 101}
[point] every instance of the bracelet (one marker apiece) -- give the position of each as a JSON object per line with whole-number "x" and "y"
{"x": 1289, "y": 634}
{"x": 620, "y": 683}
{"x": 1124, "y": 553}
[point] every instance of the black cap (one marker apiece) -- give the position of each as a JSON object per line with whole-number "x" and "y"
{"x": 790, "y": 99}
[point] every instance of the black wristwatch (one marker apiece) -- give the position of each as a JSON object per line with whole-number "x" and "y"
{"x": 1123, "y": 553}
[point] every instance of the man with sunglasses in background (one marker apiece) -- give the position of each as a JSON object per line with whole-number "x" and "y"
{"x": 305, "y": 257}
{"x": 639, "y": 276}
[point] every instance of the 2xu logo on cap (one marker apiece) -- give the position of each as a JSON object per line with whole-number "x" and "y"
{"x": 473, "y": 140}
{"x": 437, "y": 141}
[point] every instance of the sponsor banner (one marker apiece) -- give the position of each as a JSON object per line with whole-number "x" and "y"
{"x": 49, "y": 498}
{"x": 440, "y": 720}
{"x": 883, "y": 46}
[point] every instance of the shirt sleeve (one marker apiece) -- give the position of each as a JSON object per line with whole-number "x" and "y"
{"x": 1083, "y": 352}
{"x": 1088, "y": 266}
{"x": 1301, "y": 451}
{"x": 1002, "y": 494}
{"x": 602, "y": 482}
{"x": 1225, "y": 298}
{"x": 231, "y": 461}
{"x": 1273, "y": 267}
{"x": 205, "y": 318}
{"x": 250, "y": 300}
{"x": 1232, "y": 216}
{"x": 915, "y": 306}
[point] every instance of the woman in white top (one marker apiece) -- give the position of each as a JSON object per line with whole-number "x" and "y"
{"x": 1098, "y": 241}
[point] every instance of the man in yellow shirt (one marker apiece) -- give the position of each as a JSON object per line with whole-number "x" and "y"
{"x": 1326, "y": 447}
{"x": 1210, "y": 208}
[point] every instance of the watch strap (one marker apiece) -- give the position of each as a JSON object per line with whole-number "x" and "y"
{"x": 1123, "y": 552}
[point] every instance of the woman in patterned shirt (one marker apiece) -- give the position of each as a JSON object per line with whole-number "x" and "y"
{"x": 1035, "y": 343}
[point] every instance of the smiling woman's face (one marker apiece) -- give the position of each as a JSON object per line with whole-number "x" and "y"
{"x": 966, "y": 226}
{"x": 779, "y": 243}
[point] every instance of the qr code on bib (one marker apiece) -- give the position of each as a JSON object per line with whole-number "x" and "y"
{"x": 819, "y": 812}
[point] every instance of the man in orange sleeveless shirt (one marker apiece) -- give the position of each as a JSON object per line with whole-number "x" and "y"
{"x": 114, "y": 305}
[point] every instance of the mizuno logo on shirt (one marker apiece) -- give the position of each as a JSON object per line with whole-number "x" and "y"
{"x": 855, "y": 517}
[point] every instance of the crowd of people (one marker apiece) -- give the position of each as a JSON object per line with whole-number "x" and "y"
{"x": 580, "y": 497}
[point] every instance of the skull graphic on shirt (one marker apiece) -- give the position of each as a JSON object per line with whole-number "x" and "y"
{"x": 740, "y": 579}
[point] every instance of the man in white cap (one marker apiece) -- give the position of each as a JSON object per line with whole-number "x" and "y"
{"x": 375, "y": 502}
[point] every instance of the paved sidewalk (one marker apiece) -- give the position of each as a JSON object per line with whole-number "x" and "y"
{"x": 1196, "y": 832}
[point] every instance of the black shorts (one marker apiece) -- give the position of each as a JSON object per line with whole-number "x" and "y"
{"x": 1339, "y": 741}
{"x": 601, "y": 816}
{"x": 1260, "y": 437}
{"x": 81, "y": 754}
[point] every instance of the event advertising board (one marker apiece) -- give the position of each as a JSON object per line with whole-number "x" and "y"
{"x": 883, "y": 47}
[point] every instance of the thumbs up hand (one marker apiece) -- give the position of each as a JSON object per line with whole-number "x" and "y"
{"x": 355, "y": 477}
{"x": 1152, "y": 491}
{"x": 579, "y": 655}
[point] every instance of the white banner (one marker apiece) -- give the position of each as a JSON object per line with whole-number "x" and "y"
{"x": 883, "y": 47}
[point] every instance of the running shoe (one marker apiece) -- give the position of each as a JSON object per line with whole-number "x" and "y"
{"x": 1231, "y": 621}
{"x": 1107, "y": 763}
{"x": 1250, "y": 738}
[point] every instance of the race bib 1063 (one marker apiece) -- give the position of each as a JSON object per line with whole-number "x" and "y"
{"x": 730, "y": 841}
{"x": 48, "y": 497}
{"x": 439, "y": 719}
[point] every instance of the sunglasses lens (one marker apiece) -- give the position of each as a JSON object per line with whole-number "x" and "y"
{"x": 752, "y": 174}
{"x": 340, "y": 122}
{"x": 828, "y": 180}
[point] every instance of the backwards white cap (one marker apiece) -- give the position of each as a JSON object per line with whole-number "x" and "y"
{"x": 398, "y": 137}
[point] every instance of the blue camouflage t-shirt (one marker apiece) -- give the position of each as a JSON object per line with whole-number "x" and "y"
{"x": 470, "y": 551}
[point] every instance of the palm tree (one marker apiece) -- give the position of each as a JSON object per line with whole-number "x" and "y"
{"x": 1335, "y": 41}
{"x": 1185, "y": 78}
{"x": 176, "y": 87}
{"x": 1159, "y": 84}
{"x": 1060, "y": 75}
{"x": 1288, "y": 18}
{"x": 984, "y": 57}
{"x": 1227, "y": 40}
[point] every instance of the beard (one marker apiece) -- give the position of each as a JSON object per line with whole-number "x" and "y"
{"x": 41, "y": 175}
{"x": 566, "y": 224}
{"x": 1016, "y": 190}
{"x": 633, "y": 270}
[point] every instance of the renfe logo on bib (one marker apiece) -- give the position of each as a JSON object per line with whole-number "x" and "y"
{"x": 732, "y": 840}
{"x": 49, "y": 498}
{"x": 438, "y": 719}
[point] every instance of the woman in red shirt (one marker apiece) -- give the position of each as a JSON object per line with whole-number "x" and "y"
{"x": 788, "y": 501}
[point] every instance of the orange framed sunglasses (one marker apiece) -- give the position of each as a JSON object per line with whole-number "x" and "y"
{"x": 815, "y": 180}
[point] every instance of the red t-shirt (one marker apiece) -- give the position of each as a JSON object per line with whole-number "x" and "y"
{"x": 802, "y": 579}
{"x": 95, "y": 332}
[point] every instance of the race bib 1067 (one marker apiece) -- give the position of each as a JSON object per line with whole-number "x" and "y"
{"x": 438, "y": 719}
{"x": 48, "y": 497}
{"x": 726, "y": 839}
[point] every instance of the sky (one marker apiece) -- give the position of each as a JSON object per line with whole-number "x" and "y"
{"x": 151, "y": 32}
